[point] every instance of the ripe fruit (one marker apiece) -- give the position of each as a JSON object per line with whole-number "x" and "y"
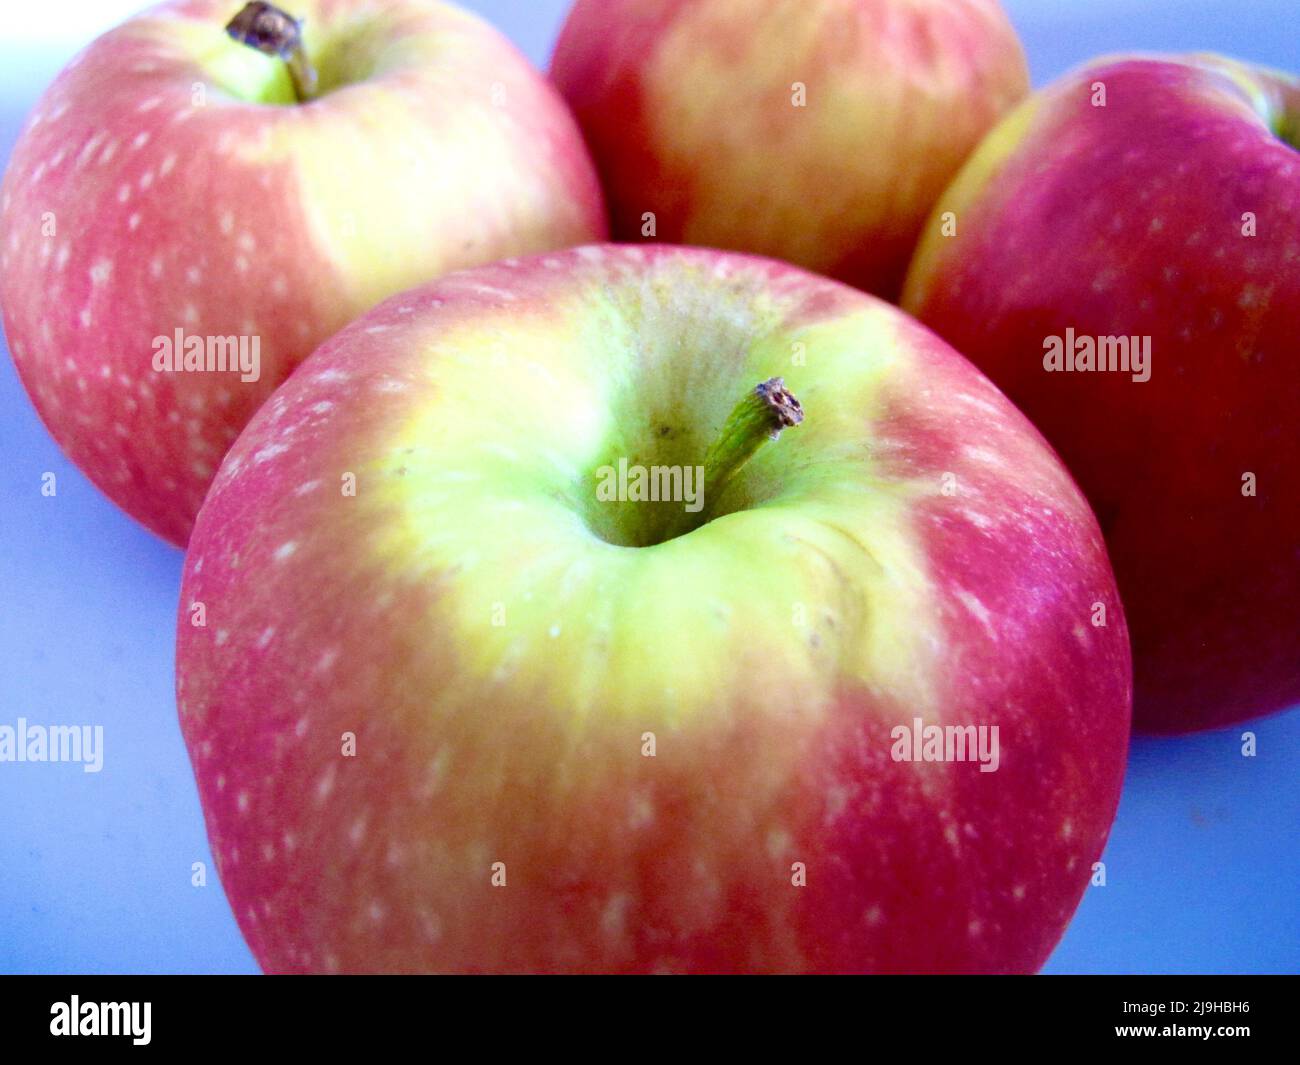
{"x": 170, "y": 180}
{"x": 817, "y": 131}
{"x": 453, "y": 707}
{"x": 1154, "y": 201}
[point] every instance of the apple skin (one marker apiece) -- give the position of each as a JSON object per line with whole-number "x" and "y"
{"x": 1128, "y": 220}
{"x": 688, "y": 110}
{"x": 229, "y": 217}
{"x": 836, "y": 593}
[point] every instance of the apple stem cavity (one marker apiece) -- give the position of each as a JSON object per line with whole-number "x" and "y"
{"x": 760, "y": 416}
{"x": 267, "y": 29}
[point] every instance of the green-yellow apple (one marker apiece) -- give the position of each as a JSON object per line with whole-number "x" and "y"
{"x": 1147, "y": 210}
{"x": 816, "y": 131}
{"x": 460, "y": 697}
{"x": 172, "y": 202}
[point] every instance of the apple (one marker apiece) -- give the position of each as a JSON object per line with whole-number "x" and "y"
{"x": 470, "y": 682}
{"x": 820, "y": 133}
{"x": 1153, "y": 200}
{"x": 172, "y": 203}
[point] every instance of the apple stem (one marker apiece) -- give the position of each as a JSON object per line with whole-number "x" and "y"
{"x": 269, "y": 30}
{"x": 760, "y": 416}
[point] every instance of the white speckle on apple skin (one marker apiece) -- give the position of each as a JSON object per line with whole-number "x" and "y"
{"x": 269, "y": 452}
{"x": 434, "y": 774}
{"x": 431, "y": 926}
{"x": 778, "y": 842}
{"x": 981, "y": 404}
{"x": 1250, "y": 297}
{"x": 985, "y": 456}
{"x": 285, "y": 550}
{"x": 241, "y": 801}
{"x": 978, "y": 610}
{"x": 642, "y": 813}
{"x": 495, "y": 293}
{"x": 325, "y": 784}
{"x": 614, "y": 914}
{"x": 88, "y": 149}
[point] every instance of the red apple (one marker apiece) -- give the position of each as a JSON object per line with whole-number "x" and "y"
{"x": 1156, "y": 199}
{"x": 819, "y": 133}
{"x": 453, "y": 703}
{"x": 170, "y": 180}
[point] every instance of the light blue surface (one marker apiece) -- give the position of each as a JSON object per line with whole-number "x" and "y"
{"x": 1203, "y": 867}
